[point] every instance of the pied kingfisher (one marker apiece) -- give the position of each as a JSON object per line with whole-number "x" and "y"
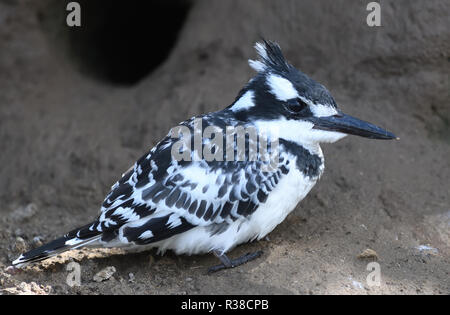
{"x": 200, "y": 206}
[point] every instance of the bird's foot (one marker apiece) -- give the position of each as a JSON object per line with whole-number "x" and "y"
{"x": 231, "y": 263}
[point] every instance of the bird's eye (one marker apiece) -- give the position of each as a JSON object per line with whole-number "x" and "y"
{"x": 296, "y": 105}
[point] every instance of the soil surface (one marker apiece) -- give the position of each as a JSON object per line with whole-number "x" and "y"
{"x": 66, "y": 136}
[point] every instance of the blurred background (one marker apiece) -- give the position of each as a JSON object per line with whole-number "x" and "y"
{"x": 78, "y": 106}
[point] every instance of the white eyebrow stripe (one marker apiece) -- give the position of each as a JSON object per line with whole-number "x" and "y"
{"x": 281, "y": 88}
{"x": 244, "y": 102}
{"x": 320, "y": 110}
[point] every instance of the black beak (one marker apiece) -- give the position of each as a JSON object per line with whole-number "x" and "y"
{"x": 351, "y": 125}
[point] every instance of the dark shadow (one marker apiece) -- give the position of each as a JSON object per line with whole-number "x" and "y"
{"x": 118, "y": 41}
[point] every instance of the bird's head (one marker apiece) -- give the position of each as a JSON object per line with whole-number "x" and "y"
{"x": 300, "y": 109}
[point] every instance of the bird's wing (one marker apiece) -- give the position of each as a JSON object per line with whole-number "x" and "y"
{"x": 160, "y": 197}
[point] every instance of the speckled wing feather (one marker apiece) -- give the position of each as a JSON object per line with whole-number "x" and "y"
{"x": 160, "y": 197}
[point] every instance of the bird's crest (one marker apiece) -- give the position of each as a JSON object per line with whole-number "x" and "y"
{"x": 270, "y": 58}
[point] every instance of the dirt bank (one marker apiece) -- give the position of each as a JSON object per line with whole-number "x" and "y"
{"x": 67, "y": 134}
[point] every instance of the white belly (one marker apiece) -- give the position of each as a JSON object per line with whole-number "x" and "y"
{"x": 291, "y": 189}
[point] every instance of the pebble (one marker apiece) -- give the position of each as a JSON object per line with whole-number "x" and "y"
{"x": 11, "y": 270}
{"x": 131, "y": 277}
{"x": 37, "y": 241}
{"x": 20, "y": 246}
{"x": 368, "y": 253}
{"x": 425, "y": 249}
{"x": 104, "y": 274}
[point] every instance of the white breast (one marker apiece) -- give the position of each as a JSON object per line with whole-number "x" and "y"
{"x": 291, "y": 189}
{"x": 282, "y": 200}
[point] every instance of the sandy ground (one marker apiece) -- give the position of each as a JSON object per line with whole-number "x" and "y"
{"x": 66, "y": 136}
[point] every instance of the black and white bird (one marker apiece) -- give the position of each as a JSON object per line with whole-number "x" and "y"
{"x": 195, "y": 206}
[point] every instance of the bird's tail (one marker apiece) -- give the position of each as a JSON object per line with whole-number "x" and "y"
{"x": 75, "y": 239}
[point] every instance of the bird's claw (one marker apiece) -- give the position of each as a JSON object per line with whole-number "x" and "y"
{"x": 231, "y": 263}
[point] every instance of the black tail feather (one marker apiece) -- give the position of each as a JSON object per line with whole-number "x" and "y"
{"x": 74, "y": 239}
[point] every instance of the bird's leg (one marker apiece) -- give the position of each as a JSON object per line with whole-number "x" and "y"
{"x": 226, "y": 262}
{"x": 231, "y": 263}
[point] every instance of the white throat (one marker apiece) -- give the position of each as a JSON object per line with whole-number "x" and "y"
{"x": 299, "y": 132}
